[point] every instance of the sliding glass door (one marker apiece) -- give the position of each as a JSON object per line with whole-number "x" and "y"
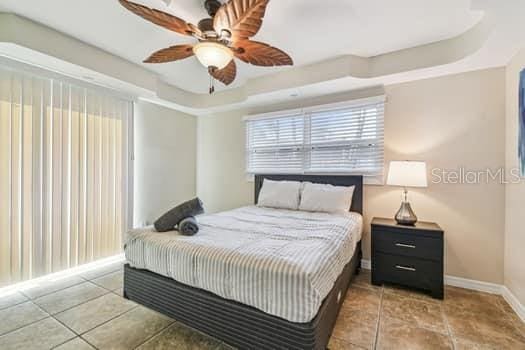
{"x": 63, "y": 175}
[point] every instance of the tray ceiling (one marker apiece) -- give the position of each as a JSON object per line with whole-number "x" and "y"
{"x": 310, "y": 31}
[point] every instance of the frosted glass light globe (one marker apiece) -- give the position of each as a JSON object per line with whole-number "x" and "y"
{"x": 212, "y": 54}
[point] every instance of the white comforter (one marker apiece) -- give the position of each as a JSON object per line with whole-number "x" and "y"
{"x": 282, "y": 262}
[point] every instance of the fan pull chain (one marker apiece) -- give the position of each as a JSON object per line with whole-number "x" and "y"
{"x": 212, "y": 87}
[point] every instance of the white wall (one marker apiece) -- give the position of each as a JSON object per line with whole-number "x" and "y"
{"x": 221, "y": 180}
{"x": 451, "y": 122}
{"x": 165, "y": 160}
{"x": 515, "y": 193}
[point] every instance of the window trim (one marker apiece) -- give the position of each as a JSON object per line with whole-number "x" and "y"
{"x": 317, "y": 108}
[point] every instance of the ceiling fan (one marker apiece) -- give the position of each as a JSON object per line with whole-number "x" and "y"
{"x": 223, "y": 36}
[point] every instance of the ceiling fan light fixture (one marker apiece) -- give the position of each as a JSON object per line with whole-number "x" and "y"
{"x": 224, "y": 36}
{"x": 212, "y": 54}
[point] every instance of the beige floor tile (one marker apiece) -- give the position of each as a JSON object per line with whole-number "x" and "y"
{"x": 44, "y": 334}
{"x": 49, "y": 287}
{"x": 511, "y": 315}
{"x": 363, "y": 315}
{"x": 460, "y": 344}
{"x": 364, "y": 280}
{"x": 337, "y": 344}
{"x": 516, "y": 321}
{"x": 128, "y": 330}
{"x": 463, "y": 298}
{"x": 101, "y": 271}
{"x": 356, "y": 327}
{"x": 20, "y": 315}
{"x": 410, "y": 293}
{"x": 93, "y": 313}
{"x": 503, "y": 304}
{"x": 75, "y": 344}
{"x": 69, "y": 297}
{"x": 414, "y": 311}
{"x": 12, "y": 299}
{"x": 363, "y": 299}
{"x": 178, "y": 336}
{"x": 396, "y": 335}
{"x": 485, "y": 326}
{"x": 407, "y": 319}
{"x": 110, "y": 281}
{"x": 119, "y": 292}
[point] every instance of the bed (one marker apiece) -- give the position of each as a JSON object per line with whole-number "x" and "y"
{"x": 253, "y": 289}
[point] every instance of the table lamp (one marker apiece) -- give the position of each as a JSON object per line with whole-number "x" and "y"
{"x": 407, "y": 174}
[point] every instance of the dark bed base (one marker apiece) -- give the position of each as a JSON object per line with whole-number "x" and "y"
{"x": 239, "y": 325}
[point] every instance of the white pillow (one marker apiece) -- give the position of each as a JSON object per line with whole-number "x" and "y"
{"x": 280, "y": 194}
{"x": 326, "y": 198}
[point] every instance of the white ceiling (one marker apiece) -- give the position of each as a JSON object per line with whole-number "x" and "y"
{"x": 309, "y": 30}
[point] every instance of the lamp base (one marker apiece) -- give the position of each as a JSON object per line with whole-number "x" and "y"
{"x": 405, "y": 215}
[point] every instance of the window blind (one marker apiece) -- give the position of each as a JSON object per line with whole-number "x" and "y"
{"x": 340, "y": 138}
{"x": 276, "y": 144}
{"x": 63, "y": 174}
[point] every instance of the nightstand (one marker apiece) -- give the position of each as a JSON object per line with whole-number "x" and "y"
{"x": 411, "y": 256}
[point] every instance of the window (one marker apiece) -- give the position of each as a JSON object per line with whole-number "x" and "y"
{"x": 340, "y": 138}
{"x": 63, "y": 167}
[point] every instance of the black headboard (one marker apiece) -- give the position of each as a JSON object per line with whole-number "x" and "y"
{"x": 336, "y": 180}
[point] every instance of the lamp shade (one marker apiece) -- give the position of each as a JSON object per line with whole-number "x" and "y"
{"x": 212, "y": 54}
{"x": 407, "y": 174}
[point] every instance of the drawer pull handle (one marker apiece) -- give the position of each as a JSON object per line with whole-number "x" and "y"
{"x": 405, "y": 245}
{"x": 405, "y": 268}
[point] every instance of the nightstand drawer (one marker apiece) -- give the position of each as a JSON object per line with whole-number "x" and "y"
{"x": 412, "y": 272}
{"x": 410, "y": 245}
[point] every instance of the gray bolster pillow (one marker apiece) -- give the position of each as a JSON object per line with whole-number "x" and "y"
{"x": 189, "y": 226}
{"x": 172, "y": 218}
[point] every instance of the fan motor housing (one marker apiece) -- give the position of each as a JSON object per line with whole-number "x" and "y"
{"x": 212, "y": 6}
{"x": 206, "y": 25}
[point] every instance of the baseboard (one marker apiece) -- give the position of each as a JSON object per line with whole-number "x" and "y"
{"x": 479, "y": 286}
{"x": 514, "y": 303}
{"x": 457, "y": 281}
{"x": 365, "y": 264}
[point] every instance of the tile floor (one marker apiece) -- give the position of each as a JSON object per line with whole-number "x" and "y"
{"x": 88, "y": 312}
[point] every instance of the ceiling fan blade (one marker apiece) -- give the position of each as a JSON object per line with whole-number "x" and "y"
{"x": 261, "y": 54}
{"x": 162, "y": 19}
{"x": 170, "y": 54}
{"x": 242, "y": 18}
{"x": 226, "y": 75}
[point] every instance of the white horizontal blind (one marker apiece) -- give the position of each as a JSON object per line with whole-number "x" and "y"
{"x": 63, "y": 173}
{"x": 342, "y": 138}
{"x": 347, "y": 139}
{"x": 275, "y": 144}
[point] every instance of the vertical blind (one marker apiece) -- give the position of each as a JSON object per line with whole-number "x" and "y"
{"x": 339, "y": 138}
{"x": 63, "y": 167}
